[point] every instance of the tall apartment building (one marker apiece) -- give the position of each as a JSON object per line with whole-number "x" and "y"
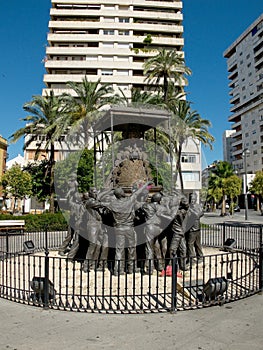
{"x": 110, "y": 40}
{"x": 227, "y": 145}
{"x": 245, "y": 73}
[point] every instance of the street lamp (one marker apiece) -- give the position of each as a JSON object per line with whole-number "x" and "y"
{"x": 245, "y": 153}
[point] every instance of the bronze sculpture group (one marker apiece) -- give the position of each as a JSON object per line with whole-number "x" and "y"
{"x": 164, "y": 226}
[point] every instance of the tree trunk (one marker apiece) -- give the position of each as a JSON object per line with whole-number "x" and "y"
{"x": 14, "y": 205}
{"x": 258, "y": 203}
{"x": 165, "y": 87}
{"x": 179, "y": 168}
{"x": 223, "y": 209}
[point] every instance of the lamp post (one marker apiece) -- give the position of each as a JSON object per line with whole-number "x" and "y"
{"x": 245, "y": 153}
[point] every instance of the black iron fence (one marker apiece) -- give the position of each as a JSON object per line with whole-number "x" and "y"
{"x": 246, "y": 236}
{"x": 232, "y": 268}
{"x": 15, "y": 242}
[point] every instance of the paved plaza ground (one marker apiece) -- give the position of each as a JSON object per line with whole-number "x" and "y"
{"x": 254, "y": 217}
{"x": 233, "y": 326}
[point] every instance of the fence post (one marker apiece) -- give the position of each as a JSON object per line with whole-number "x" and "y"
{"x": 261, "y": 259}
{"x": 174, "y": 284}
{"x": 224, "y": 233}
{"x": 46, "y": 284}
{"x": 7, "y": 242}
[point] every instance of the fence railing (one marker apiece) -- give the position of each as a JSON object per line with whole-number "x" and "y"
{"x": 15, "y": 242}
{"x": 246, "y": 236}
{"x": 45, "y": 279}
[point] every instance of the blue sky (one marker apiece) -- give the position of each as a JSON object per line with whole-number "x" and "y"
{"x": 210, "y": 27}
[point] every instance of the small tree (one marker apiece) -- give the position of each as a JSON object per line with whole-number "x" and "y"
{"x": 40, "y": 175}
{"x": 81, "y": 163}
{"x": 232, "y": 186}
{"x": 214, "y": 195}
{"x": 256, "y": 186}
{"x": 17, "y": 184}
{"x": 218, "y": 177}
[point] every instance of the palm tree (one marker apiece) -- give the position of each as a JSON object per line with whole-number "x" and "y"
{"x": 48, "y": 117}
{"x": 141, "y": 98}
{"x": 189, "y": 125}
{"x": 185, "y": 124}
{"x": 91, "y": 98}
{"x": 166, "y": 66}
{"x": 256, "y": 186}
{"x": 220, "y": 174}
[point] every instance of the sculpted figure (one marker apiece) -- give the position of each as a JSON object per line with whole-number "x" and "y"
{"x": 178, "y": 245}
{"x": 193, "y": 233}
{"x": 153, "y": 211}
{"x": 73, "y": 202}
{"x": 93, "y": 229}
{"x": 123, "y": 211}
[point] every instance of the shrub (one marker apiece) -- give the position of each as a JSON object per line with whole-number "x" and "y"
{"x": 40, "y": 221}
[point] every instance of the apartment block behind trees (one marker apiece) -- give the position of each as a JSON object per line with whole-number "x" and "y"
{"x": 110, "y": 40}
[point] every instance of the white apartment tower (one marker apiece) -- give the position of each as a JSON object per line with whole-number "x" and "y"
{"x": 245, "y": 73}
{"x": 110, "y": 40}
{"x": 227, "y": 145}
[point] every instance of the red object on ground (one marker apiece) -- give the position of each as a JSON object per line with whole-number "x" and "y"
{"x": 168, "y": 272}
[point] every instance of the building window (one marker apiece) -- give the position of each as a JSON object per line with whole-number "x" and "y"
{"x": 108, "y": 32}
{"x": 188, "y": 158}
{"x": 123, "y": 32}
{"x": 253, "y": 121}
{"x": 246, "y": 134}
{"x": 191, "y": 176}
{"x": 255, "y": 151}
{"x": 107, "y": 72}
{"x": 124, "y": 20}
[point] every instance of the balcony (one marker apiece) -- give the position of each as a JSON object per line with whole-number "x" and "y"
{"x": 233, "y": 75}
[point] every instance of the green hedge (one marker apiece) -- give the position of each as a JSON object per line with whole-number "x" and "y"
{"x": 38, "y": 222}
